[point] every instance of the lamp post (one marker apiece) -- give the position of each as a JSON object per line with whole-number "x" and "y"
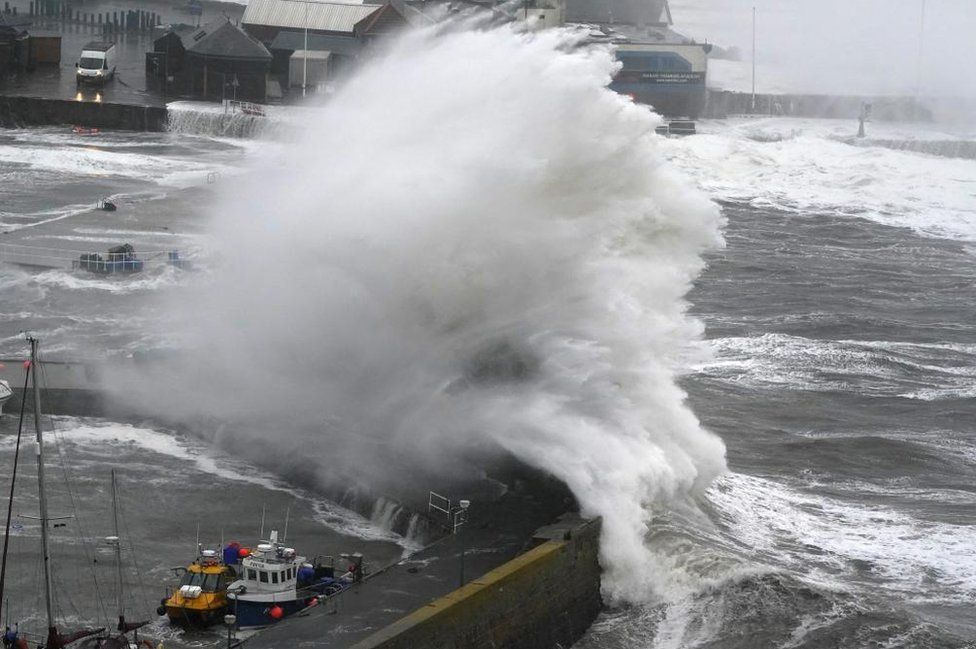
{"x": 464, "y": 517}
{"x": 305, "y": 55}
{"x": 921, "y": 52}
{"x": 230, "y": 621}
{"x": 753, "y": 59}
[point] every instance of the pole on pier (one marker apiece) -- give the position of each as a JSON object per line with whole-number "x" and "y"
{"x": 754, "y": 59}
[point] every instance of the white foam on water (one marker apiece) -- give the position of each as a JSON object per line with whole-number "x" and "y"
{"x": 145, "y": 281}
{"x": 538, "y": 222}
{"x": 819, "y": 537}
{"x": 119, "y": 232}
{"x": 179, "y": 171}
{"x": 877, "y": 368}
{"x": 108, "y": 438}
{"x": 804, "y": 166}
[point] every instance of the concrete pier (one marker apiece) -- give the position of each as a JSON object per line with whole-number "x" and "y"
{"x": 527, "y": 590}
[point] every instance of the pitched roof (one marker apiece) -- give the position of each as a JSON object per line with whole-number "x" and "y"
{"x": 316, "y": 16}
{"x": 224, "y": 39}
{"x": 295, "y": 40}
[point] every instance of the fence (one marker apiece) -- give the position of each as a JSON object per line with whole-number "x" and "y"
{"x": 69, "y": 259}
{"x": 126, "y": 20}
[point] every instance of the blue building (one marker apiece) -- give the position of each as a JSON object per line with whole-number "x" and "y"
{"x": 659, "y": 66}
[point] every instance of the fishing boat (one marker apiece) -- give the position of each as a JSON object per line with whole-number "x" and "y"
{"x": 201, "y": 597}
{"x": 5, "y": 394}
{"x": 276, "y": 582}
{"x": 55, "y": 638}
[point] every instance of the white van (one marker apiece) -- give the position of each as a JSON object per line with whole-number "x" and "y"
{"x": 97, "y": 62}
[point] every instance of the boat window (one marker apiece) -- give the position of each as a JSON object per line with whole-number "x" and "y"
{"x": 274, "y": 577}
{"x": 291, "y": 573}
{"x": 252, "y": 574}
{"x": 210, "y": 583}
{"x": 264, "y": 577}
{"x": 192, "y": 579}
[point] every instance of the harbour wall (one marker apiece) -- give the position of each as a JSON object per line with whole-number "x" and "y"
{"x": 19, "y": 111}
{"x": 546, "y": 597}
{"x": 722, "y": 104}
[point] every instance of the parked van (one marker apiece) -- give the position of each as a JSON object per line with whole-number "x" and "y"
{"x": 97, "y": 62}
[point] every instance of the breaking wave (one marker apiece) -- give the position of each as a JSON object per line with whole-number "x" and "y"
{"x": 476, "y": 248}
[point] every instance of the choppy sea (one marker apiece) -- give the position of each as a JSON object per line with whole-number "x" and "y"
{"x": 841, "y": 331}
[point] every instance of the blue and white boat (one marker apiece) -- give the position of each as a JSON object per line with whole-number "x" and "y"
{"x": 275, "y": 582}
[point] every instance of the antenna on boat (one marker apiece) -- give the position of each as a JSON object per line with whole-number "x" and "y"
{"x": 261, "y": 535}
{"x": 198, "y": 537}
{"x": 284, "y": 535}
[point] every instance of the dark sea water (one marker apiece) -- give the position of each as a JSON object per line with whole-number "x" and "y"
{"x": 840, "y": 323}
{"x": 842, "y": 382}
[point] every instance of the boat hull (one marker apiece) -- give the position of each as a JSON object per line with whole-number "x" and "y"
{"x": 190, "y": 618}
{"x": 255, "y": 614}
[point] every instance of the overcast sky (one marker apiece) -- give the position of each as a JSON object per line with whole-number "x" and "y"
{"x": 868, "y": 46}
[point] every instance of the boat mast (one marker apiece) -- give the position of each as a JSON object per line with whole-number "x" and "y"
{"x": 52, "y": 632}
{"x": 118, "y": 553}
{"x": 10, "y": 502}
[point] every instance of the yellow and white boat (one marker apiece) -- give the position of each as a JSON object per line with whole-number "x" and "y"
{"x": 201, "y": 597}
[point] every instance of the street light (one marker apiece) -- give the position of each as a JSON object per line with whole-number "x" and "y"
{"x": 230, "y": 621}
{"x": 465, "y": 504}
{"x": 305, "y": 55}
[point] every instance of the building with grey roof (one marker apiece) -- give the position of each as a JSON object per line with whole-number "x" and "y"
{"x": 217, "y": 61}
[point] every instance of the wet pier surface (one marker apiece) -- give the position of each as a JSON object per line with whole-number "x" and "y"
{"x": 495, "y": 533}
{"x": 129, "y": 84}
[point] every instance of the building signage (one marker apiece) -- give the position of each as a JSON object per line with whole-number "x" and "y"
{"x": 673, "y": 77}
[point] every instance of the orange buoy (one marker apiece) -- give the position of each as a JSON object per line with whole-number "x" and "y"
{"x": 276, "y": 612}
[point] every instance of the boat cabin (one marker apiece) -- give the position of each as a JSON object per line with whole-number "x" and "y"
{"x": 271, "y": 567}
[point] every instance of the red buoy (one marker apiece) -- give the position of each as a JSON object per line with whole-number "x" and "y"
{"x": 276, "y": 612}
{"x": 243, "y": 553}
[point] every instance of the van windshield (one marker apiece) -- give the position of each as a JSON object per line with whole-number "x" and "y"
{"x": 90, "y": 63}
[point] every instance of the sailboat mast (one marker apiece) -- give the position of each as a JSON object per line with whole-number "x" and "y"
{"x": 5, "y": 604}
{"x": 118, "y": 553}
{"x": 41, "y": 493}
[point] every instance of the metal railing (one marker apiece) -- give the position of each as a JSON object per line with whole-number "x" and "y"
{"x": 455, "y": 516}
{"x": 243, "y": 107}
{"x": 62, "y": 258}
